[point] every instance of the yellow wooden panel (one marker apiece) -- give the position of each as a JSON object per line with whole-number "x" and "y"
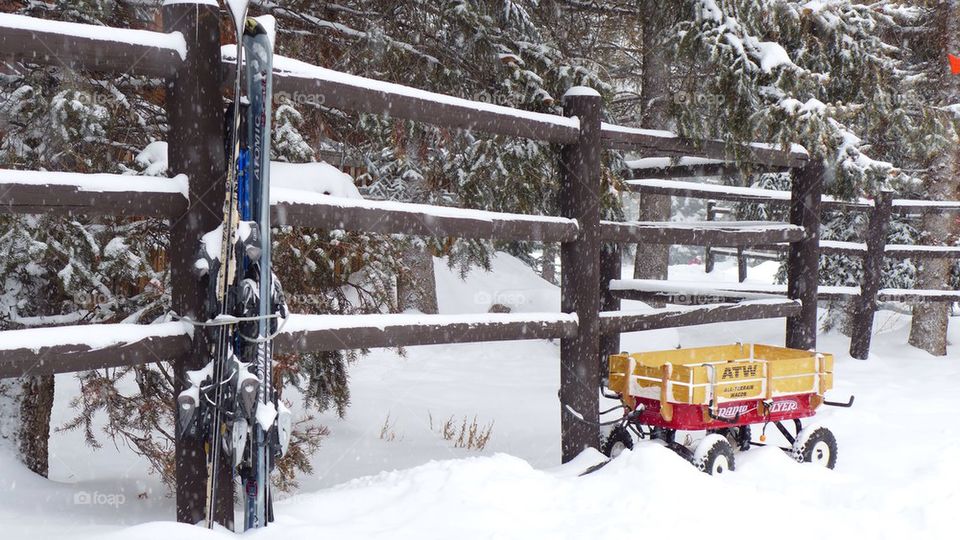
{"x": 800, "y": 384}
{"x": 793, "y": 366}
{"x": 618, "y": 383}
{"x": 645, "y": 383}
{"x": 618, "y": 363}
{"x": 769, "y": 352}
{"x": 682, "y": 393}
{"x": 740, "y": 390}
{"x": 683, "y": 374}
{"x": 647, "y": 371}
{"x": 697, "y": 355}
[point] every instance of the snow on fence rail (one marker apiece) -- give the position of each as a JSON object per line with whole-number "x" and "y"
{"x": 359, "y": 94}
{"x": 701, "y": 233}
{"x": 859, "y": 249}
{"x": 688, "y": 167}
{"x": 697, "y": 292}
{"x": 32, "y": 192}
{"x": 89, "y": 47}
{"x": 721, "y": 192}
{"x": 702, "y": 190}
{"x": 308, "y": 209}
{"x": 64, "y": 349}
{"x": 665, "y": 142}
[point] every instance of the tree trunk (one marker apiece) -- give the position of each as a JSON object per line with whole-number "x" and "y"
{"x": 548, "y": 268}
{"x": 25, "y": 406}
{"x": 651, "y": 260}
{"x": 417, "y": 285}
{"x": 35, "y": 408}
{"x": 929, "y": 327}
{"x": 10, "y": 396}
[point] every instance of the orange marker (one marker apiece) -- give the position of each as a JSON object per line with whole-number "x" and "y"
{"x": 954, "y": 64}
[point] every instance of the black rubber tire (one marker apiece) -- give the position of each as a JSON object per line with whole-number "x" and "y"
{"x": 820, "y": 447}
{"x": 719, "y": 449}
{"x": 618, "y": 439}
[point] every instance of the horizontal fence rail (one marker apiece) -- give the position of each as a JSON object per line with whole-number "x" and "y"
{"x": 91, "y": 48}
{"x": 335, "y": 332}
{"x": 701, "y": 233}
{"x": 307, "y": 209}
{"x": 899, "y": 251}
{"x": 752, "y": 254}
{"x": 913, "y": 206}
{"x": 60, "y": 193}
{"x": 359, "y": 94}
{"x": 649, "y": 141}
{"x": 700, "y": 190}
{"x": 66, "y": 349}
{"x": 857, "y": 249}
{"x": 688, "y": 167}
{"x": 626, "y": 321}
{"x": 697, "y": 293}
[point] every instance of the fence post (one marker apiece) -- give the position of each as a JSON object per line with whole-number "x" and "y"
{"x": 741, "y": 265}
{"x": 611, "y": 258}
{"x": 708, "y": 257}
{"x": 580, "y": 275}
{"x": 803, "y": 259}
{"x": 196, "y": 148}
{"x": 872, "y": 275}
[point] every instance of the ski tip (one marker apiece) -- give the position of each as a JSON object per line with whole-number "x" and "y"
{"x": 253, "y": 28}
{"x": 264, "y": 25}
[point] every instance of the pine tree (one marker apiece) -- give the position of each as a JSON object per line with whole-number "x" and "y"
{"x": 935, "y": 155}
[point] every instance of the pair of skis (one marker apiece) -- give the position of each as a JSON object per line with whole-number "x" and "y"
{"x": 231, "y": 402}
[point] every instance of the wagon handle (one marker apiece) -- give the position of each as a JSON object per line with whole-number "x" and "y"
{"x": 610, "y": 394}
{"x": 846, "y": 405}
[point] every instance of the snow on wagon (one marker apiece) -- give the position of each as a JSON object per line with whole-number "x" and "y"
{"x": 722, "y": 390}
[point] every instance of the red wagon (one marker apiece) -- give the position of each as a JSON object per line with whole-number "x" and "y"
{"x": 722, "y": 391}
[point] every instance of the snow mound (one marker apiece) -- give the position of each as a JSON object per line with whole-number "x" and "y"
{"x": 153, "y": 158}
{"x": 320, "y": 177}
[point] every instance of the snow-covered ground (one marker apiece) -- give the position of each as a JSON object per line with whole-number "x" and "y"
{"x": 898, "y": 473}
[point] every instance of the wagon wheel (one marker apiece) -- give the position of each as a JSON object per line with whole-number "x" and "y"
{"x": 714, "y": 455}
{"x": 618, "y": 441}
{"x": 816, "y": 445}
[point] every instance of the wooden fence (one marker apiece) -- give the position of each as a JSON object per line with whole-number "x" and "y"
{"x": 872, "y": 251}
{"x": 588, "y": 326}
